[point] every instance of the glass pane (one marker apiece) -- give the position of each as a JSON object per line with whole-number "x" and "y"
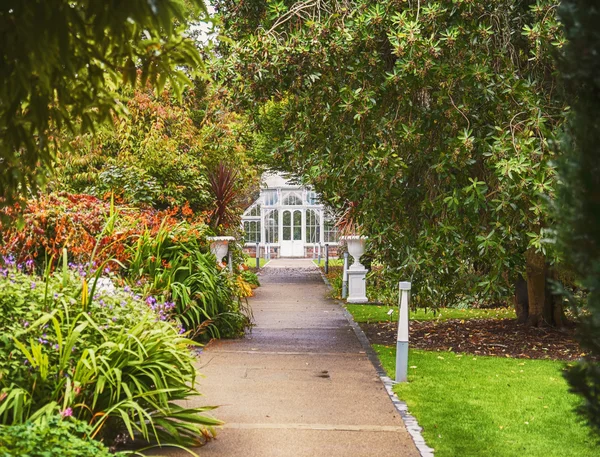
{"x": 297, "y": 225}
{"x": 272, "y": 226}
{"x": 287, "y": 223}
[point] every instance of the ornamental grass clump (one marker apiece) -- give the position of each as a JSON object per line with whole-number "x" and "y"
{"x": 108, "y": 360}
{"x": 174, "y": 263}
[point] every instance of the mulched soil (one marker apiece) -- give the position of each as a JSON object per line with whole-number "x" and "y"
{"x": 496, "y": 337}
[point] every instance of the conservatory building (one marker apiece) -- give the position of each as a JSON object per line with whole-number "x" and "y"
{"x": 287, "y": 220}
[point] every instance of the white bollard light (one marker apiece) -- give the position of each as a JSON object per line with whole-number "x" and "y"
{"x": 402, "y": 339}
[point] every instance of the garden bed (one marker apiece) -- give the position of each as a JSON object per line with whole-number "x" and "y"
{"x": 495, "y": 337}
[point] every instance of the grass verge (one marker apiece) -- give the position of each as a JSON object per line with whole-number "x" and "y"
{"x": 250, "y": 262}
{"x": 333, "y": 262}
{"x": 491, "y": 406}
{"x": 376, "y": 313}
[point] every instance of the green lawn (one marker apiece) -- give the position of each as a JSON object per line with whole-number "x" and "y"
{"x": 332, "y": 262}
{"x": 250, "y": 262}
{"x": 375, "y": 313}
{"x": 491, "y": 406}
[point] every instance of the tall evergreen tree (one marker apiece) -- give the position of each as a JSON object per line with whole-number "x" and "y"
{"x": 578, "y": 196}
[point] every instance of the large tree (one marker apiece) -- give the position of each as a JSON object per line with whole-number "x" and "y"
{"x": 62, "y": 63}
{"x": 431, "y": 119}
{"x": 578, "y": 202}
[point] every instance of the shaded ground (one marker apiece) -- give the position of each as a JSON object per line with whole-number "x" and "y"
{"x": 497, "y": 337}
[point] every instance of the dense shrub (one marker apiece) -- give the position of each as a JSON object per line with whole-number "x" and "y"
{"x": 108, "y": 359}
{"x": 157, "y": 252}
{"x": 206, "y": 297}
{"x": 250, "y": 277}
{"x": 55, "y": 437}
{"x": 79, "y": 223}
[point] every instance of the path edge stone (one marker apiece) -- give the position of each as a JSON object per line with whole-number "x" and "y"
{"x": 412, "y": 426}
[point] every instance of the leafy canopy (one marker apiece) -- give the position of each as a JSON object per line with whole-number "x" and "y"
{"x": 432, "y": 119}
{"x": 63, "y": 62}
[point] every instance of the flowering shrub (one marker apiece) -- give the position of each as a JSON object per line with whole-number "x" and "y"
{"x": 79, "y": 223}
{"x": 157, "y": 253}
{"x": 109, "y": 360}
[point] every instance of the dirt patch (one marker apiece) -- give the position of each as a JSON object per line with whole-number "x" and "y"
{"x": 496, "y": 337}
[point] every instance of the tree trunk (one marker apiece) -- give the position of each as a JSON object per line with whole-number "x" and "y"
{"x": 521, "y": 300}
{"x": 541, "y": 307}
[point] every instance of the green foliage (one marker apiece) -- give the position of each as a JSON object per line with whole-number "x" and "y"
{"x": 450, "y": 104}
{"x": 250, "y": 277}
{"x": 108, "y": 360}
{"x": 577, "y": 208}
{"x": 54, "y": 437}
{"x": 173, "y": 262}
{"x": 64, "y": 63}
{"x": 166, "y": 153}
{"x": 154, "y": 155}
{"x": 491, "y": 406}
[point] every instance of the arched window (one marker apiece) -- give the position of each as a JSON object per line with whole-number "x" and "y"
{"x": 272, "y": 226}
{"x": 254, "y": 210}
{"x": 292, "y": 199}
{"x": 313, "y": 226}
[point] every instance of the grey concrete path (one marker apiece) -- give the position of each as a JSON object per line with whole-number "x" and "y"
{"x": 300, "y": 384}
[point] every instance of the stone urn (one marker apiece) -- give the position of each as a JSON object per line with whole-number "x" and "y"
{"x": 356, "y": 248}
{"x": 219, "y": 246}
{"x": 357, "y": 273}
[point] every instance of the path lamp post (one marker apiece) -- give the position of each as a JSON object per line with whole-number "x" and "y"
{"x": 326, "y": 258}
{"x": 402, "y": 339}
{"x": 219, "y": 246}
{"x": 319, "y": 261}
{"x": 357, "y": 273}
{"x": 257, "y": 256}
{"x": 345, "y": 277}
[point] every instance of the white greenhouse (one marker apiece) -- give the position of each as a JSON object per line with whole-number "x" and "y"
{"x": 287, "y": 220}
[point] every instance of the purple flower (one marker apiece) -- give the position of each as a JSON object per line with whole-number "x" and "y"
{"x": 67, "y": 412}
{"x": 127, "y": 289}
{"x": 25, "y": 324}
{"x": 29, "y": 264}
{"x": 32, "y": 285}
{"x": 107, "y": 270}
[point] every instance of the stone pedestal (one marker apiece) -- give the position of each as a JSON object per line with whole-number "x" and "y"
{"x": 357, "y": 286}
{"x": 357, "y": 273}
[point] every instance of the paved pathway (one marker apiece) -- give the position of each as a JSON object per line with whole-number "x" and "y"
{"x": 300, "y": 383}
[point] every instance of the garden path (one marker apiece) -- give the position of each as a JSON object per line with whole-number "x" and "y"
{"x": 300, "y": 384}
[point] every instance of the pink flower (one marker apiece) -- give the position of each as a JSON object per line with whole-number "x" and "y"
{"x": 67, "y": 412}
